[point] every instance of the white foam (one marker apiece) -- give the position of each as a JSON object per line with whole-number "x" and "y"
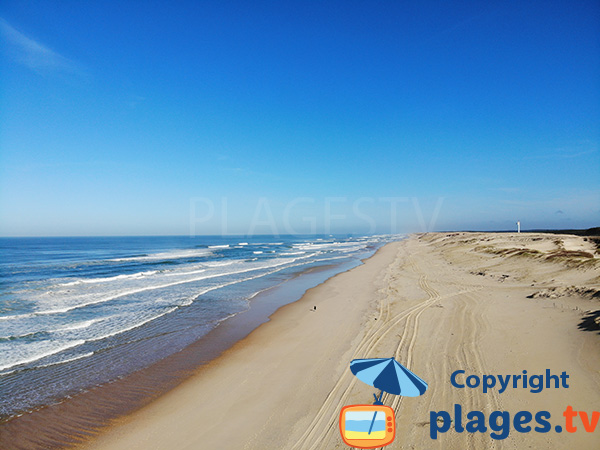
{"x": 78, "y": 325}
{"x": 244, "y": 279}
{"x": 219, "y": 264}
{"x": 309, "y": 246}
{"x": 187, "y": 302}
{"x": 243, "y": 243}
{"x": 219, "y": 246}
{"x": 133, "y": 326}
{"x": 257, "y": 252}
{"x": 142, "y": 289}
{"x": 110, "y": 279}
{"x": 135, "y": 291}
{"x": 178, "y": 274}
{"x": 94, "y": 298}
{"x": 53, "y": 311}
{"x": 17, "y": 316}
{"x": 32, "y": 351}
{"x": 178, "y": 254}
{"x": 75, "y": 358}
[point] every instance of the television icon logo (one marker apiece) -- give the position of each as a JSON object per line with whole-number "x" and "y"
{"x": 367, "y": 426}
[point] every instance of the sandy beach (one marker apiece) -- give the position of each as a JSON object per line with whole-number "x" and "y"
{"x": 479, "y": 302}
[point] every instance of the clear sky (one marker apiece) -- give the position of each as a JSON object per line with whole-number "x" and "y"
{"x": 161, "y": 117}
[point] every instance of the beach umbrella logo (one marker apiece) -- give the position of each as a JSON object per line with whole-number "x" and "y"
{"x": 372, "y": 426}
{"x": 389, "y": 376}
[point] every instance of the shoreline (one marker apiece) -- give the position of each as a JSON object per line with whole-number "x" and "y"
{"x": 71, "y": 421}
{"x": 439, "y": 302}
{"x": 209, "y": 377}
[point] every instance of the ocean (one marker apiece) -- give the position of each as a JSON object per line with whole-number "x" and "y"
{"x": 80, "y": 312}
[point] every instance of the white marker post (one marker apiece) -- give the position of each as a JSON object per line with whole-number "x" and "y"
{"x": 518, "y": 226}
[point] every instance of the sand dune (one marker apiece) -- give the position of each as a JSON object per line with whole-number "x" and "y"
{"x": 479, "y": 302}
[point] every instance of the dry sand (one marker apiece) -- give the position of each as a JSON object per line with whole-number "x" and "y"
{"x": 485, "y": 303}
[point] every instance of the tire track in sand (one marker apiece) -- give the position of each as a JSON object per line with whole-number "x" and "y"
{"x": 326, "y": 417}
{"x": 462, "y": 350}
{"x": 324, "y": 425}
{"x": 471, "y": 359}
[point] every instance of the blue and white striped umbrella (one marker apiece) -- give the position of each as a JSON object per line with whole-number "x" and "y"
{"x": 388, "y": 375}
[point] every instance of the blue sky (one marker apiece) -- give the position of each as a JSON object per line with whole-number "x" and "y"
{"x": 156, "y": 117}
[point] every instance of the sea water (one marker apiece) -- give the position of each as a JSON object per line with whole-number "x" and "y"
{"x": 80, "y": 312}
